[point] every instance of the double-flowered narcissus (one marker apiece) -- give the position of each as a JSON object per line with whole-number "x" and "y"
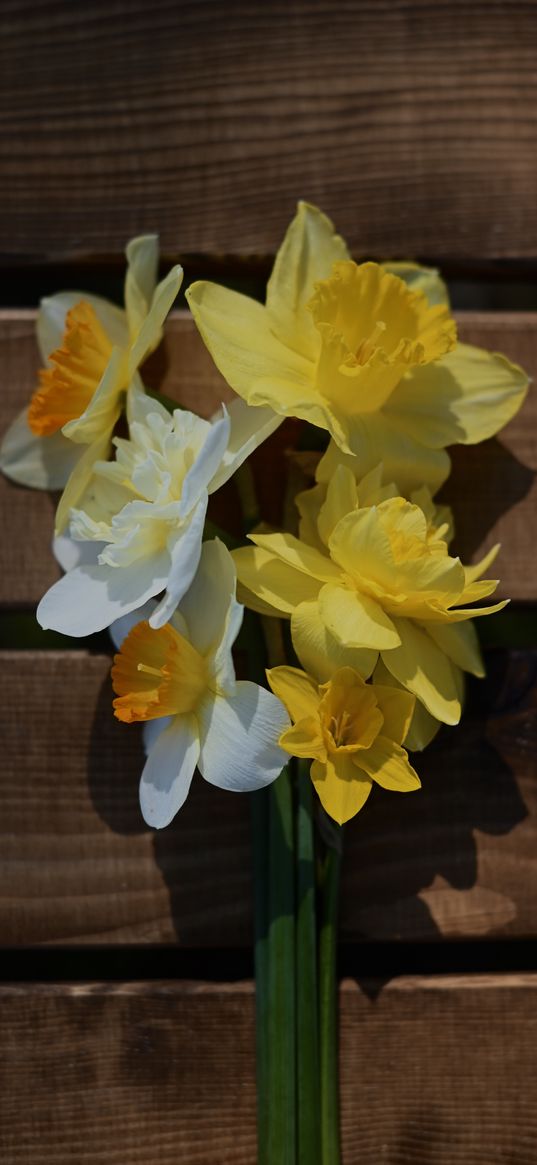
{"x": 378, "y": 580}
{"x": 139, "y": 524}
{"x": 368, "y": 352}
{"x": 353, "y": 731}
{"x": 180, "y": 681}
{"x": 92, "y": 352}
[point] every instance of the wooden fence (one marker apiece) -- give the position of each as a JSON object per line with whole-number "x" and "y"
{"x": 126, "y": 1007}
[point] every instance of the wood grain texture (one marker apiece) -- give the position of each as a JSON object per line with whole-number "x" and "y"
{"x": 436, "y": 1070}
{"x": 412, "y": 124}
{"x": 77, "y": 864}
{"x": 493, "y": 488}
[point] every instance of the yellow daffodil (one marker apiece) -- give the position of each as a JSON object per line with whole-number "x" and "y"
{"x": 381, "y": 582}
{"x": 353, "y": 732}
{"x": 92, "y": 351}
{"x": 367, "y": 352}
{"x": 179, "y": 681}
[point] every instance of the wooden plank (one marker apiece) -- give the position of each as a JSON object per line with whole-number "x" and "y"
{"x": 439, "y": 1071}
{"x": 77, "y": 864}
{"x": 206, "y": 122}
{"x": 493, "y": 488}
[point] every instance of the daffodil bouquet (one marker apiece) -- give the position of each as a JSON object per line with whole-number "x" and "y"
{"x": 360, "y": 621}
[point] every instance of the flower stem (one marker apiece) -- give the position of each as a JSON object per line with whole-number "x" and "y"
{"x": 309, "y": 1113}
{"x": 281, "y": 977}
{"x": 328, "y": 1007}
{"x": 260, "y": 802}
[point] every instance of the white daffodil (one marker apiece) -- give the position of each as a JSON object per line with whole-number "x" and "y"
{"x": 92, "y": 352}
{"x": 140, "y": 522}
{"x": 181, "y": 681}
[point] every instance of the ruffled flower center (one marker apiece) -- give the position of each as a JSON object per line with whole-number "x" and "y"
{"x": 76, "y": 369}
{"x": 377, "y": 317}
{"x": 157, "y": 673}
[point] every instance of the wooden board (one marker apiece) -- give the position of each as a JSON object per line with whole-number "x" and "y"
{"x": 77, "y": 864}
{"x": 433, "y": 1069}
{"x": 493, "y": 488}
{"x": 412, "y": 124}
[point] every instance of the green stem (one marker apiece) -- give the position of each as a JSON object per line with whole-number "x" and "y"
{"x": 260, "y": 802}
{"x": 281, "y": 977}
{"x": 328, "y": 1000}
{"x": 309, "y": 1112}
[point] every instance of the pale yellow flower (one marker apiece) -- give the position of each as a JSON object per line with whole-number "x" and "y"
{"x": 92, "y": 351}
{"x": 353, "y": 732}
{"x": 382, "y": 581}
{"x": 367, "y": 352}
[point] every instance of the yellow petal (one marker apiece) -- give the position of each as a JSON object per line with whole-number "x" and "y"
{"x": 140, "y": 280}
{"x": 307, "y": 254}
{"x": 298, "y": 555}
{"x": 422, "y": 667}
{"x": 423, "y": 727}
{"x": 341, "y": 499}
{"x": 319, "y": 652}
{"x": 381, "y": 437}
{"x": 474, "y": 572}
{"x": 457, "y": 616}
{"x": 238, "y": 334}
{"x": 296, "y": 690}
{"x": 397, "y": 707}
{"x": 308, "y": 504}
{"x": 150, "y": 333}
{"x": 304, "y": 739}
{"x": 342, "y": 789}
{"x": 80, "y": 478}
{"x": 388, "y": 764}
{"x": 355, "y": 619}
{"x": 274, "y": 581}
{"x": 425, "y": 279}
{"x": 467, "y": 397}
{"x": 102, "y": 411}
{"x": 460, "y": 642}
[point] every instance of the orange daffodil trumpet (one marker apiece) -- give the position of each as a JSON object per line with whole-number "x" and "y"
{"x": 180, "y": 682}
{"x": 93, "y": 351}
{"x": 353, "y": 732}
{"x": 365, "y": 351}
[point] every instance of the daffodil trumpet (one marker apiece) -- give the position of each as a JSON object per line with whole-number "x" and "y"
{"x": 179, "y": 681}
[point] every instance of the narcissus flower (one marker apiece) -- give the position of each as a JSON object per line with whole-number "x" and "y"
{"x": 353, "y": 731}
{"x": 383, "y": 582}
{"x": 93, "y": 351}
{"x": 180, "y": 681}
{"x": 367, "y": 352}
{"x": 140, "y": 521}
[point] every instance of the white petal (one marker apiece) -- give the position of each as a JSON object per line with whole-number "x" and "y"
{"x": 249, "y": 427}
{"x": 140, "y": 406}
{"x": 239, "y": 738}
{"x": 209, "y": 606}
{"x": 70, "y": 553}
{"x": 90, "y": 598}
{"x": 119, "y": 630}
{"x": 184, "y": 559}
{"x": 168, "y": 771}
{"x": 207, "y": 462}
{"x": 53, "y": 310}
{"x": 153, "y": 729}
{"x": 40, "y": 462}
